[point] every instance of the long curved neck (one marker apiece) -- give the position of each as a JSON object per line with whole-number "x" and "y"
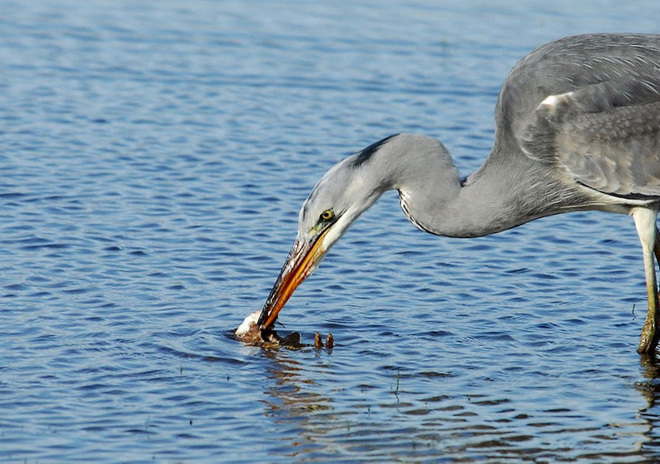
{"x": 498, "y": 196}
{"x": 488, "y": 201}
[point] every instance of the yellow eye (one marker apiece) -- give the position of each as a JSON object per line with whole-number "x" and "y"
{"x": 327, "y": 215}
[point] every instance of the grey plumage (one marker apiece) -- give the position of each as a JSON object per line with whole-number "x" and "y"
{"x": 577, "y": 128}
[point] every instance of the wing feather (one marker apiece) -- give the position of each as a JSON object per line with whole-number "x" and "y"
{"x": 606, "y": 135}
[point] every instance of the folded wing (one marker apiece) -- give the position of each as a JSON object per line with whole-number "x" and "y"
{"x": 607, "y": 135}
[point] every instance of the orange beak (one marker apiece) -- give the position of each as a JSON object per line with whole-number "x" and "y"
{"x": 302, "y": 260}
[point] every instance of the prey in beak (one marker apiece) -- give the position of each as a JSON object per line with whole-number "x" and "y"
{"x": 306, "y": 254}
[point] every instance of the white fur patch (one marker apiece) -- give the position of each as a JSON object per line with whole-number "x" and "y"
{"x": 247, "y": 323}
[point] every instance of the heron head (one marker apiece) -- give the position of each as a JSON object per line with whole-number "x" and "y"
{"x": 342, "y": 194}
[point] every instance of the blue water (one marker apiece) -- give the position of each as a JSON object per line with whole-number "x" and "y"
{"x": 154, "y": 155}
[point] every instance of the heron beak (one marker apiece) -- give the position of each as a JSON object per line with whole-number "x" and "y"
{"x": 303, "y": 258}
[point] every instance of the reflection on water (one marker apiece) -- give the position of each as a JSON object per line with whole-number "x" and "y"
{"x": 292, "y": 404}
{"x": 385, "y": 422}
{"x": 650, "y": 389}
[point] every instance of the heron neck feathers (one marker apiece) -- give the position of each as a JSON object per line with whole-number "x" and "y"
{"x": 494, "y": 198}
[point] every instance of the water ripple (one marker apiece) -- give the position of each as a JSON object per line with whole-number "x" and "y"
{"x": 154, "y": 157}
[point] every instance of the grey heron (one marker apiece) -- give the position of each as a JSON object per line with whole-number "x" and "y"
{"x": 577, "y": 128}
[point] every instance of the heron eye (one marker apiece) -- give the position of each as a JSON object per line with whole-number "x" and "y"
{"x": 327, "y": 215}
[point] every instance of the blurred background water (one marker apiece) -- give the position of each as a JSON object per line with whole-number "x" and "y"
{"x": 153, "y": 157}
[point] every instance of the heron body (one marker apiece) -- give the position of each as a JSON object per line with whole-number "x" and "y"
{"x": 577, "y": 128}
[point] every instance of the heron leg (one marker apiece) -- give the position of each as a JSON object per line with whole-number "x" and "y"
{"x": 645, "y": 222}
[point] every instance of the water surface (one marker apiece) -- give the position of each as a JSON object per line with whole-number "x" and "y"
{"x": 154, "y": 156}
